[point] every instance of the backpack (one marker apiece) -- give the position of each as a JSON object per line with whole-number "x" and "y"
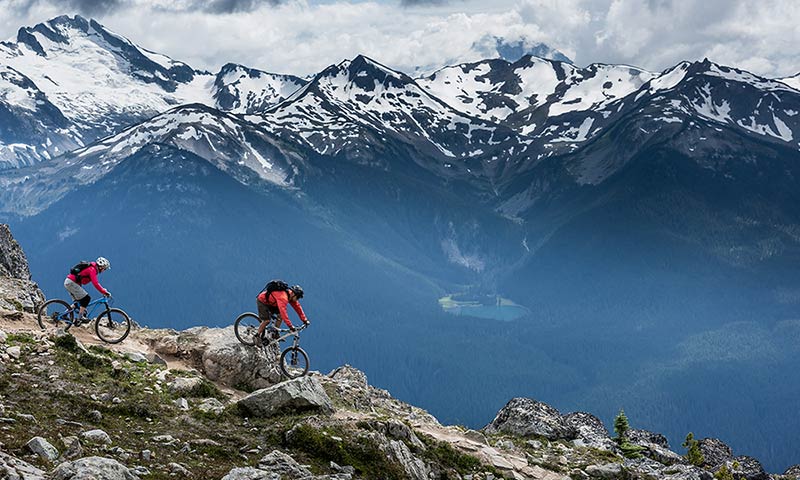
{"x": 77, "y": 269}
{"x": 275, "y": 286}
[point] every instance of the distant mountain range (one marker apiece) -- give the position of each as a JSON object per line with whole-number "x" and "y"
{"x": 642, "y": 219}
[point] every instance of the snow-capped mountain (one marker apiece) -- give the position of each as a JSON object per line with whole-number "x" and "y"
{"x": 239, "y": 89}
{"x": 352, "y": 108}
{"x": 238, "y": 148}
{"x": 101, "y": 83}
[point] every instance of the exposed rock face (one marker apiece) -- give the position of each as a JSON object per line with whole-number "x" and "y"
{"x": 642, "y": 437}
{"x": 17, "y": 291}
{"x": 349, "y": 375}
{"x": 91, "y": 468}
{"x": 14, "y": 468}
{"x": 282, "y": 464}
{"x": 299, "y": 394}
{"x": 747, "y": 468}
{"x": 217, "y": 353}
{"x": 715, "y": 452}
{"x": 527, "y": 417}
{"x": 13, "y": 262}
{"x": 656, "y": 446}
{"x": 793, "y": 471}
{"x": 591, "y": 431}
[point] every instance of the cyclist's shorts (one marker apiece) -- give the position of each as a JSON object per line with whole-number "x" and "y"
{"x": 76, "y": 291}
{"x": 264, "y": 311}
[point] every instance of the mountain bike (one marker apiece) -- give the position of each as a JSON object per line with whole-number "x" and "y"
{"x": 112, "y": 325}
{"x": 293, "y": 360}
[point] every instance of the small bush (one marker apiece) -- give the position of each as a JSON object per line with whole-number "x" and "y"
{"x": 20, "y": 338}
{"x": 67, "y": 343}
{"x": 724, "y": 474}
{"x": 92, "y": 361}
{"x": 205, "y": 389}
{"x": 693, "y": 453}
{"x": 448, "y": 457}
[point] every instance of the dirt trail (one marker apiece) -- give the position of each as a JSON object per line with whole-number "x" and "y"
{"x": 10, "y": 323}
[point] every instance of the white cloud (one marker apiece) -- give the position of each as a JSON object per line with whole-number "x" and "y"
{"x": 302, "y": 37}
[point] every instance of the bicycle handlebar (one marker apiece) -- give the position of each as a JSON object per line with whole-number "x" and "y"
{"x": 296, "y": 330}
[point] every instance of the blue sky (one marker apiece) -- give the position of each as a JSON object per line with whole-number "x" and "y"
{"x": 304, "y": 36}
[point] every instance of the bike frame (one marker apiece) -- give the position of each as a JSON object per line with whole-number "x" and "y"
{"x": 289, "y": 333}
{"x": 64, "y": 317}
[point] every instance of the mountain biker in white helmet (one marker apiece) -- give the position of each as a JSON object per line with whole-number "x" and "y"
{"x": 81, "y": 274}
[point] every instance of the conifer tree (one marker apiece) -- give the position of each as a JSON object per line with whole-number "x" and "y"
{"x": 693, "y": 453}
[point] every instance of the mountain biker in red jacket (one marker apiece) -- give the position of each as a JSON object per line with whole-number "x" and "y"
{"x": 73, "y": 283}
{"x": 276, "y": 302}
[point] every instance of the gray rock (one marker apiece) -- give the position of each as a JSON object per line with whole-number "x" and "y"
{"x": 347, "y": 469}
{"x": 211, "y": 405}
{"x": 136, "y": 357}
{"x": 182, "y": 404}
{"x": 715, "y": 452}
{"x": 476, "y": 436}
{"x": 748, "y": 468}
{"x": 250, "y": 473}
{"x": 350, "y": 375}
{"x": 282, "y": 464}
{"x": 608, "y": 470}
{"x": 146, "y": 455}
{"x": 140, "y": 470}
{"x": 590, "y": 430}
{"x": 642, "y": 437}
{"x": 184, "y": 384}
{"x": 3, "y": 337}
{"x": 527, "y": 417}
{"x": 73, "y": 446}
{"x": 793, "y": 471}
{"x": 14, "y": 352}
{"x": 297, "y": 395}
{"x": 15, "y": 469}
{"x": 16, "y": 287}
{"x": 415, "y": 468}
{"x": 178, "y": 469}
{"x": 165, "y": 439}
{"x": 96, "y": 436}
{"x": 156, "y": 359}
{"x": 96, "y": 416}
{"x": 43, "y": 448}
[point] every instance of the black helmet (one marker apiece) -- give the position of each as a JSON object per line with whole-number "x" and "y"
{"x": 298, "y": 290}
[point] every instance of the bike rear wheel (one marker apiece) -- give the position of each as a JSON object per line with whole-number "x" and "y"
{"x": 113, "y": 325}
{"x": 246, "y": 328}
{"x": 294, "y": 362}
{"x": 51, "y": 312}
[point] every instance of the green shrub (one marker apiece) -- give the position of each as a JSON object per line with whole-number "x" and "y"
{"x": 724, "y": 474}
{"x": 693, "y": 453}
{"x": 360, "y": 453}
{"x": 205, "y": 389}
{"x": 20, "y": 338}
{"x": 67, "y": 343}
{"x": 621, "y": 427}
{"x": 445, "y": 455}
{"x": 92, "y": 361}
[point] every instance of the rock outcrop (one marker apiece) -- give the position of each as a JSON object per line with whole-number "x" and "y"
{"x": 715, "y": 452}
{"x": 590, "y": 430}
{"x": 217, "y": 353}
{"x": 93, "y": 468}
{"x": 17, "y": 291}
{"x": 304, "y": 394}
{"x": 14, "y": 468}
{"x": 526, "y": 417}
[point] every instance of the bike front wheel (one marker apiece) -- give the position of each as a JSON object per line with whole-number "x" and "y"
{"x": 246, "y": 328}
{"x": 113, "y": 325}
{"x": 53, "y": 312}
{"x": 294, "y": 362}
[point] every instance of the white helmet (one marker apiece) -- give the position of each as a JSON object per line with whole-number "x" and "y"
{"x": 103, "y": 263}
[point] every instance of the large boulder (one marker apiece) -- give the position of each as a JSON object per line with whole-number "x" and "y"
{"x": 219, "y": 355}
{"x": 17, "y": 291}
{"x": 250, "y": 473}
{"x": 591, "y": 431}
{"x": 91, "y": 468}
{"x": 349, "y": 375}
{"x": 297, "y": 395}
{"x": 715, "y": 452}
{"x": 14, "y": 468}
{"x": 526, "y": 417}
{"x": 43, "y": 448}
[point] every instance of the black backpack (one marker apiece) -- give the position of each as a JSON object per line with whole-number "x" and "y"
{"x": 275, "y": 286}
{"x": 77, "y": 269}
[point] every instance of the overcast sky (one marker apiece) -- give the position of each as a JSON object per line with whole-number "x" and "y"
{"x": 304, "y": 36}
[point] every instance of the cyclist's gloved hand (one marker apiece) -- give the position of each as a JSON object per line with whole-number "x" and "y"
{"x": 306, "y": 322}
{"x": 107, "y": 294}
{"x": 292, "y": 329}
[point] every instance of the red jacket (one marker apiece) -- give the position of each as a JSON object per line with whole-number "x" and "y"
{"x": 89, "y": 274}
{"x": 280, "y": 299}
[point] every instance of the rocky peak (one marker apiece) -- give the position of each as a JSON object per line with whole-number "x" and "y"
{"x": 17, "y": 291}
{"x": 12, "y": 259}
